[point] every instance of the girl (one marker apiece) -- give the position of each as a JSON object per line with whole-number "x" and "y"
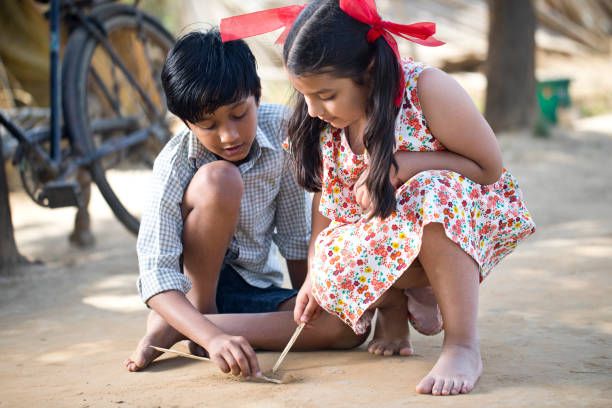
{"x": 406, "y": 172}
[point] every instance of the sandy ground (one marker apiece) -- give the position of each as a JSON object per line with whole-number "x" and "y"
{"x": 545, "y": 312}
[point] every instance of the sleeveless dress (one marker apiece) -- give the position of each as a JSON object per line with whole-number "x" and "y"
{"x": 356, "y": 260}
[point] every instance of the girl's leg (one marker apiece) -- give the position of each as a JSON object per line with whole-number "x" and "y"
{"x": 392, "y": 333}
{"x": 454, "y": 277}
{"x": 210, "y": 211}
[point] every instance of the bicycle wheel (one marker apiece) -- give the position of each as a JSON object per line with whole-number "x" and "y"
{"x": 105, "y": 105}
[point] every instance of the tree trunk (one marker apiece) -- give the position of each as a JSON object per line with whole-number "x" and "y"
{"x": 511, "y": 96}
{"x": 9, "y": 255}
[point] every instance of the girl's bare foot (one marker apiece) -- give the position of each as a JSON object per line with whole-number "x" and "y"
{"x": 423, "y": 311}
{"x": 159, "y": 333}
{"x": 456, "y": 371}
{"x": 392, "y": 333}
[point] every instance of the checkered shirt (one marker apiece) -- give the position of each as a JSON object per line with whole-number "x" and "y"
{"x": 273, "y": 208}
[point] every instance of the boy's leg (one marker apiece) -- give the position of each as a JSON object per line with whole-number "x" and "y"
{"x": 272, "y": 331}
{"x": 210, "y": 209}
{"x": 454, "y": 277}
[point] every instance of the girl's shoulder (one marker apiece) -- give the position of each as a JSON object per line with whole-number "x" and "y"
{"x": 411, "y": 128}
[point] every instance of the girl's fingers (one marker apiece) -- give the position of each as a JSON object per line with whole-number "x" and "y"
{"x": 310, "y": 310}
{"x": 300, "y": 305}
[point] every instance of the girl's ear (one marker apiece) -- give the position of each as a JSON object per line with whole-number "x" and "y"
{"x": 371, "y": 66}
{"x": 368, "y": 74}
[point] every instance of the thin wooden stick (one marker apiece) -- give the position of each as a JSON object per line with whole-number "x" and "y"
{"x": 180, "y": 353}
{"x": 288, "y": 346}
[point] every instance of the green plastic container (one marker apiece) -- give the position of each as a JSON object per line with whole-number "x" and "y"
{"x": 552, "y": 94}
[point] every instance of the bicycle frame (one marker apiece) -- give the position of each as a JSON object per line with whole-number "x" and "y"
{"x": 29, "y": 140}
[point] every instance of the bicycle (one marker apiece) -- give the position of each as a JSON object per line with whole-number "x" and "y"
{"x": 109, "y": 96}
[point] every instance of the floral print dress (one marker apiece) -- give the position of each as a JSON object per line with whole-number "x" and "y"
{"x": 356, "y": 260}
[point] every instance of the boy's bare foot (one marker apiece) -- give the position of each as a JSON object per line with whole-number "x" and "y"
{"x": 392, "y": 333}
{"x": 159, "y": 333}
{"x": 456, "y": 371}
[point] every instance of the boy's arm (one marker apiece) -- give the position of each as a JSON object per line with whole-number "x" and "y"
{"x": 161, "y": 283}
{"x": 230, "y": 353}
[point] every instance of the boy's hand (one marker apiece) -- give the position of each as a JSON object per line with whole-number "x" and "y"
{"x": 306, "y": 307}
{"x": 233, "y": 353}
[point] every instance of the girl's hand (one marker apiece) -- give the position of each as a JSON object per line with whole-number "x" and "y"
{"x": 233, "y": 354}
{"x": 362, "y": 195}
{"x": 306, "y": 307}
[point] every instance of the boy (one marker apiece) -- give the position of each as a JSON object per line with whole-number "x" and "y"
{"x": 222, "y": 190}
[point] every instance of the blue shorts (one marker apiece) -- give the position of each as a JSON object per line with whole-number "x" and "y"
{"x": 235, "y": 295}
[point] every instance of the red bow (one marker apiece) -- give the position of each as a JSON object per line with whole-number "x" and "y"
{"x": 365, "y": 11}
{"x": 260, "y": 22}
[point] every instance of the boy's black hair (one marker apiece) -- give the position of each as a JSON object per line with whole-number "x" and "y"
{"x": 202, "y": 73}
{"x": 326, "y": 40}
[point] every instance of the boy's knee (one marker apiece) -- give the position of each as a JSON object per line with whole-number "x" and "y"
{"x": 342, "y": 337}
{"x": 218, "y": 183}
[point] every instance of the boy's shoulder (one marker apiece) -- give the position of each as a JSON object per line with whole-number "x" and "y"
{"x": 272, "y": 120}
{"x": 175, "y": 152}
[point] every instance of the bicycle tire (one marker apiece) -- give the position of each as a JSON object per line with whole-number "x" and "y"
{"x": 77, "y": 71}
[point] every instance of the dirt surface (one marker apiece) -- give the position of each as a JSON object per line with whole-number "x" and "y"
{"x": 545, "y": 312}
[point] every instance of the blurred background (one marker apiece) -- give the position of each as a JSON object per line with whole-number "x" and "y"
{"x": 563, "y": 44}
{"x": 532, "y": 67}
{"x": 539, "y": 70}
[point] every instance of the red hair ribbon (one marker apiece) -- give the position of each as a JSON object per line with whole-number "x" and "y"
{"x": 421, "y": 33}
{"x": 260, "y": 22}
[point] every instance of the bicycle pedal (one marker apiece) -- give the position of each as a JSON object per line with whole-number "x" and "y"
{"x": 58, "y": 194}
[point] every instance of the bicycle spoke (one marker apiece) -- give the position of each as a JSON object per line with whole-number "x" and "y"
{"x": 113, "y": 102}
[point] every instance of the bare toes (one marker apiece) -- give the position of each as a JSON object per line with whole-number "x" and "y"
{"x": 448, "y": 385}
{"x": 458, "y": 385}
{"x": 425, "y": 385}
{"x": 467, "y": 387}
{"x": 437, "y": 387}
{"x": 406, "y": 351}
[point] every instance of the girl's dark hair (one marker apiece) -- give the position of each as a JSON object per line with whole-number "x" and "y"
{"x": 324, "y": 39}
{"x": 202, "y": 73}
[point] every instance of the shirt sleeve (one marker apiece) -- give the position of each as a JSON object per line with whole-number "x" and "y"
{"x": 159, "y": 243}
{"x": 292, "y": 216}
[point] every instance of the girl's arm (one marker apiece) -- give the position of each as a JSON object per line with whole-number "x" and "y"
{"x": 455, "y": 121}
{"x": 306, "y": 307}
